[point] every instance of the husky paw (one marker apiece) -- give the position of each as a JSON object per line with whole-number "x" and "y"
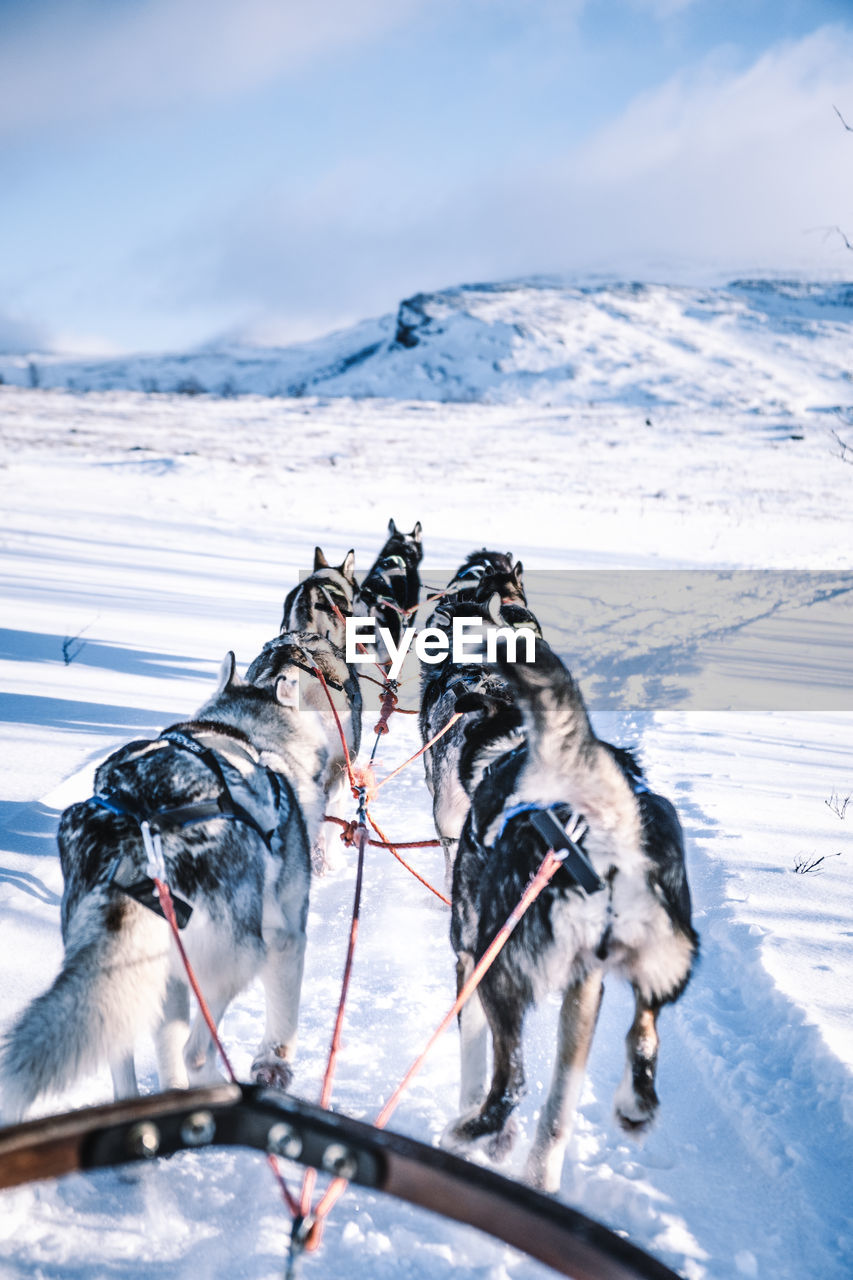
{"x": 272, "y": 1072}
{"x": 543, "y": 1170}
{"x": 635, "y": 1106}
{"x": 474, "y": 1131}
{"x": 634, "y": 1116}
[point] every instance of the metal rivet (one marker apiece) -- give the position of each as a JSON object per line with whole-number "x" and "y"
{"x": 198, "y": 1129}
{"x": 283, "y": 1140}
{"x": 144, "y": 1140}
{"x": 340, "y": 1161}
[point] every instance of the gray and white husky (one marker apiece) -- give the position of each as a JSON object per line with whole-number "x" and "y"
{"x": 291, "y": 655}
{"x": 633, "y": 919}
{"x": 323, "y": 600}
{"x": 231, "y": 802}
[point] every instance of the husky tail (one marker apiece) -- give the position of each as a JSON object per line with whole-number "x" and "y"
{"x": 566, "y": 761}
{"x": 555, "y": 719}
{"x": 110, "y": 988}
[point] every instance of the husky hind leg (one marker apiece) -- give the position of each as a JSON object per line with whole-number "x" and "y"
{"x": 223, "y": 970}
{"x": 282, "y": 979}
{"x": 492, "y": 1125}
{"x": 123, "y": 1072}
{"x": 636, "y": 1101}
{"x": 578, "y": 1018}
{"x": 473, "y": 1040}
{"x": 171, "y": 1036}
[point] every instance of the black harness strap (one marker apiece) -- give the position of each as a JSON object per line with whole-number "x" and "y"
{"x": 124, "y": 872}
{"x": 228, "y": 807}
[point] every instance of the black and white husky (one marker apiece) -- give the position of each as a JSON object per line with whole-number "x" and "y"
{"x": 485, "y": 573}
{"x": 634, "y": 918}
{"x": 392, "y": 587}
{"x": 323, "y": 600}
{"x": 491, "y": 722}
{"x": 230, "y": 802}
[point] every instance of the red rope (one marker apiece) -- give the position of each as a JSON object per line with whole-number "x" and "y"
{"x": 351, "y": 775}
{"x": 310, "y": 1178}
{"x": 452, "y": 721}
{"x": 349, "y": 829}
{"x": 549, "y": 865}
{"x": 383, "y": 840}
{"x": 389, "y": 705}
{"x": 166, "y": 903}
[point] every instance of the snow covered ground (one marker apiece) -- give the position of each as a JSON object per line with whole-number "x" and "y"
{"x": 143, "y": 535}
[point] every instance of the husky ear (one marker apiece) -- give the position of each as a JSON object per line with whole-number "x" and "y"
{"x": 392, "y": 529}
{"x": 348, "y": 566}
{"x": 320, "y": 561}
{"x": 518, "y": 571}
{"x": 494, "y": 609}
{"x": 287, "y": 691}
{"x": 416, "y": 532}
{"x": 228, "y": 677}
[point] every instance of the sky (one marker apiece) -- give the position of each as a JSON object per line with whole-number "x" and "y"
{"x": 179, "y": 172}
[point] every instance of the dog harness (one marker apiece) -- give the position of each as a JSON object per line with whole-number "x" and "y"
{"x": 392, "y": 573}
{"x": 550, "y": 827}
{"x": 250, "y": 793}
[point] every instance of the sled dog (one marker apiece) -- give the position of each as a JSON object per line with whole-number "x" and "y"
{"x": 632, "y": 918}
{"x": 484, "y": 573}
{"x": 231, "y": 800}
{"x": 323, "y": 600}
{"x": 293, "y": 654}
{"x": 491, "y": 722}
{"x": 393, "y": 584}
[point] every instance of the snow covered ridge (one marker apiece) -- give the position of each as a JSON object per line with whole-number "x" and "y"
{"x": 770, "y": 346}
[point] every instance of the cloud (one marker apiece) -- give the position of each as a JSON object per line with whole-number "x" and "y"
{"x": 19, "y": 336}
{"x": 720, "y": 169}
{"x": 81, "y": 60}
{"x": 727, "y": 163}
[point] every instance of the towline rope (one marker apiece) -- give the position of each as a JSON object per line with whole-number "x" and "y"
{"x": 310, "y": 1177}
{"x": 165, "y": 896}
{"x": 544, "y": 874}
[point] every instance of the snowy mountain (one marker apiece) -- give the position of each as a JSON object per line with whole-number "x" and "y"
{"x": 764, "y": 346}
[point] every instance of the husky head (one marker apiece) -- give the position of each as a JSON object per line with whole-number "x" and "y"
{"x": 408, "y": 545}
{"x": 485, "y": 572}
{"x": 288, "y": 666}
{"x": 324, "y": 599}
{"x": 393, "y": 585}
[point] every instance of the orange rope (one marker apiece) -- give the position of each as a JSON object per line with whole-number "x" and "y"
{"x": 548, "y": 867}
{"x": 383, "y": 840}
{"x": 452, "y": 721}
{"x": 166, "y": 903}
{"x": 310, "y": 1177}
{"x": 350, "y": 827}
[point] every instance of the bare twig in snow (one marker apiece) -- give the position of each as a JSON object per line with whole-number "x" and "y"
{"x": 73, "y": 646}
{"x": 848, "y": 127}
{"x": 845, "y": 450}
{"x": 837, "y": 805}
{"x": 804, "y": 865}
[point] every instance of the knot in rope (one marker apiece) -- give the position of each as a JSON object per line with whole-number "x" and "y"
{"x": 389, "y": 703}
